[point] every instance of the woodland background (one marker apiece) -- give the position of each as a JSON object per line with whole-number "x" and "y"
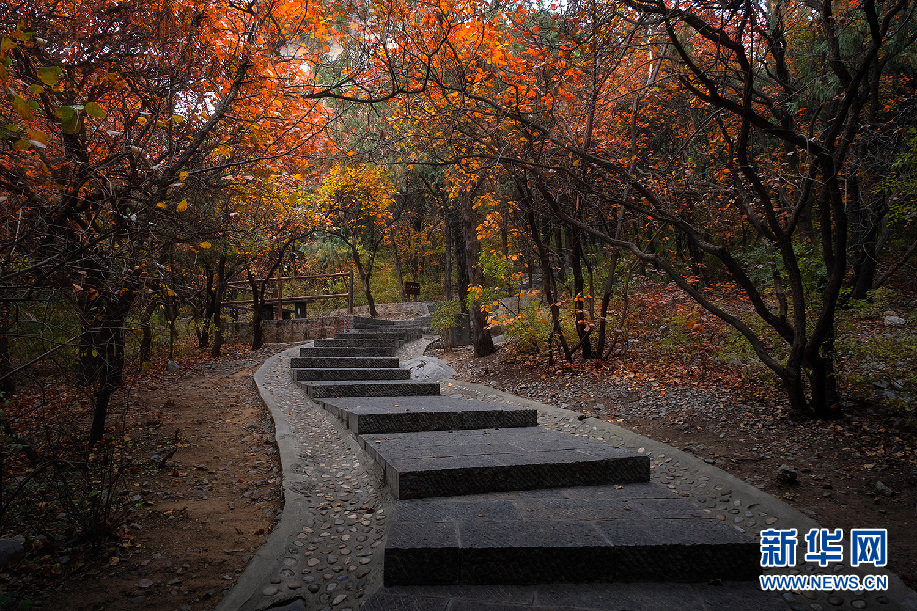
{"x": 541, "y": 167}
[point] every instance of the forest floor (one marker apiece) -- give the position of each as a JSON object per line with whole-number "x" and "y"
{"x": 192, "y": 522}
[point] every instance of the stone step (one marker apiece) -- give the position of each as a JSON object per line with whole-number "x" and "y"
{"x": 382, "y": 342}
{"x": 370, "y": 323}
{"x": 366, "y": 415}
{"x": 352, "y": 362}
{"x": 639, "y": 532}
{"x": 318, "y": 390}
{"x": 450, "y": 463}
{"x": 403, "y": 335}
{"x": 714, "y": 596}
{"x": 349, "y": 351}
{"x": 344, "y": 374}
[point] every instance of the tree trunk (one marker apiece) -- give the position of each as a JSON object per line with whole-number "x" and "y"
{"x": 146, "y": 328}
{"x": 461, "y": 262}
{"x": 103, "y": 335}
{"x": 7, "y": 383}
{"x": 447, "y": 271}
{"x": 579, "y": 287}
{"x": 606, "y": 301}
{"x": 397, "y": 261}
{"x": 364, "y": 279}
{"x": 480, "y": 334}
{"x": 258, "y": 290}
{"x": 548, "y": 285}
{"x": 218, "y": 308}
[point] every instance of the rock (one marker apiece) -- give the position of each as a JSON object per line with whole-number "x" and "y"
{"x": 894, "y": 321}
{"x": 787, "y": 474}
{"x": 883, "y": 489}
{"x": 145, "y": 583}
{"x": 8, "y": 549}
{"x": 172, "y": 367}
{"x": 338, "y": 599}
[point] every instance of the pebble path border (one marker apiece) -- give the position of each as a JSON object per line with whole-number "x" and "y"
{"x": 325, "y": 554}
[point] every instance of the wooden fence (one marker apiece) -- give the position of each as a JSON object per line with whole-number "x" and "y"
{"x": 300, "y": 302}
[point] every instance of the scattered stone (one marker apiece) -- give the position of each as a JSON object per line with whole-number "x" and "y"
{"x": 270, "y": 591}
{"x": 894, "y": 321}
{"x": 858, "y": 603}
{"x": 787, "y": 474}
{"x": 9, "y": 548}
{"x": 884, "y": 490}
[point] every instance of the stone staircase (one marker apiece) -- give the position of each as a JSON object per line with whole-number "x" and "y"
{"x": 485, "y": 496}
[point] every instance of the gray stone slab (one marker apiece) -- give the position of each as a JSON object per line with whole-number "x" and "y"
{"x": 369, "y": 351}
{"x": 367, "y": 415}
{"x": 388, "y": 600}
{"x": 344, "y": 374}
{"x": 402, "y": 334}
{"x": 728, "y": 596}
{"x": 449, "y": 463}
{"x": 371, "y": 323}
{"x": 384, "y": 342}
{"x": 369, "y": 388}
{"x": 310, "y": 362}
{"x": 561, "y": 535}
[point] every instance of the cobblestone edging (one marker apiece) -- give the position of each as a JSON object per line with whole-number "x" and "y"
{"x": 326, "y": 551}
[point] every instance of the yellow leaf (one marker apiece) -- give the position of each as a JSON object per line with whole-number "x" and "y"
{"x": 182, "y": 205}
{"x": 205, "y": 245}
{"x": 182, "y": 176}
{"x": 161, "y": 205}
{"x": 170, "y": 293}
{"x": 38, "y": 137}
{"x": 22, "y": 108}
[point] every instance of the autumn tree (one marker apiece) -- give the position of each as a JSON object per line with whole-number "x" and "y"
{"x": 356, "y": 201}
{"x": 712, "y": 141}
{"x": 110, "y": 107}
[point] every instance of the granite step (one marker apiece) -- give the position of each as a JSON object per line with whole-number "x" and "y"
{"x": 349, "y": 351}
{"x": 371, "y": 323}
{"x": 451, "y": 463}
{"x": 639, "y": 532}
{"x": 403, "y": 335}
{"x": 350, "y": 374}
{"x": 367, "y": 415}
{"x": 382, "y": 342}
{"x": 352, "y": 362}
{"x": 369, "y": 388}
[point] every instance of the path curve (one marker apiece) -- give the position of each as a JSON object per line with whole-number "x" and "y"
{"x": 306, "y": 567}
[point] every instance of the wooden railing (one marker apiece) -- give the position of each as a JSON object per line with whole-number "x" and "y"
{"x": 278, "y": 299}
